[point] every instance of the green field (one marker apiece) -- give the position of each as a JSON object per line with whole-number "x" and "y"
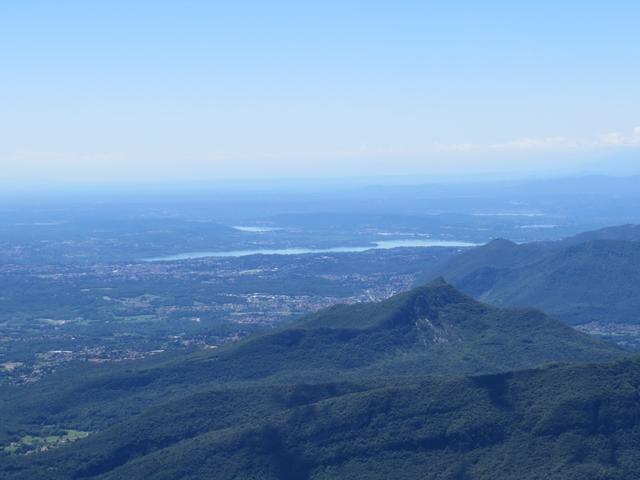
{"x": 34, "y": 443}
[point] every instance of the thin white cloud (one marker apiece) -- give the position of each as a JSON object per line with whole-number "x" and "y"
{"x": 542, "y": 147}
{"x": 617, "y": 139}
{"x": 612, "y": 139}
{"x": 526, "y": 143}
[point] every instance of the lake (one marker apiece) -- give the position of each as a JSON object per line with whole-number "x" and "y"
{"x": 382, "y": 244}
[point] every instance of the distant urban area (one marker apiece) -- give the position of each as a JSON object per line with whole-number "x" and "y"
{"x": 55, "y": 314}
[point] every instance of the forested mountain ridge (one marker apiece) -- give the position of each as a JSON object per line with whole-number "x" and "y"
{"x": 557, "y": 422}
{"x": 628, "y": 232}
{"x": 594, "y": 276}
{"x": 238, "y": 403}
{"x": 431, "y": 330}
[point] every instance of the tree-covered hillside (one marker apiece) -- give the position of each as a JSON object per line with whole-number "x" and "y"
{"x": 344, "y": 393}
{"x": 556, "y": 422}
{"x": 431, "y": 330}
{"x": 591, "y": 277}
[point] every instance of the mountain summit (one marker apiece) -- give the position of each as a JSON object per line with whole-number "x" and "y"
{"x": 426, "y": 302}
{"x": 433, "y": 329}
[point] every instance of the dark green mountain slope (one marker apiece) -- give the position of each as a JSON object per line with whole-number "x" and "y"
{"x": 629, "y": 232}
{"x": 431, "y": 330}
{"x": 577, "y": 281}
{"x": 568, "y": 422}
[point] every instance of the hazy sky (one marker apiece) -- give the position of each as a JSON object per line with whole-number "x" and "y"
{"x": 164, "y": 90}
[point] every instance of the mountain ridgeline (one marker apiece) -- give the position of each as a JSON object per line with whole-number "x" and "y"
{"x": 362, "y": 391}
{"x": 565, "y": 423}
{"x": 594, "y": 276}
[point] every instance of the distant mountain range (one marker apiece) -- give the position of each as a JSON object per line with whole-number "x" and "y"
{"x": 630, "y": 233}
{"x": 363, "y": 391}
{"x": 593, "y": 276}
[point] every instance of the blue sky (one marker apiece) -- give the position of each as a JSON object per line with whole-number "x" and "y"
{"x": 158, "y": 90}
